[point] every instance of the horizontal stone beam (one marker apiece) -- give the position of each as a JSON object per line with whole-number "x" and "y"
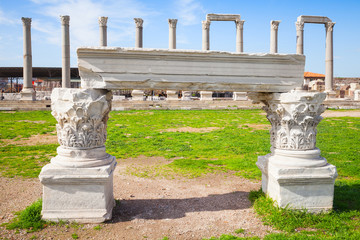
{"x": 134, "y": 68}
{"x": 222, "y": 17}
{"x": 313, "y": 19}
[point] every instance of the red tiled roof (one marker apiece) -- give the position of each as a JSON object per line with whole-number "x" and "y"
{"x": 313, "y": 75}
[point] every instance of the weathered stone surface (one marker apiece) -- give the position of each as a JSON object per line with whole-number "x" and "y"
{"x": 294, "y": 173}
{"x": 134, "y": 68}
{"x": 78, "y": 181}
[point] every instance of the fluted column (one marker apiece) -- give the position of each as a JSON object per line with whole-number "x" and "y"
{"x": 103, "y": 31}
{"x": 239, "y": 35}
{"x": 65, "y": 20}
{"x": 299, "y": 37}
{"x": 139, "y": 32}
{"x": 329, "y": 64}
{"x": 172, "y": 33}
{"x": 27, "y": 93}
{"x": 205, "y": 35}
{"x": 274, "y": 36}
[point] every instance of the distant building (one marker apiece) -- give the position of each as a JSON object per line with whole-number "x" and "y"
{"x": 314, "y": 81}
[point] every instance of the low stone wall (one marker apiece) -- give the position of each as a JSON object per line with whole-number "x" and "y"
{"x": 168, "y": 105}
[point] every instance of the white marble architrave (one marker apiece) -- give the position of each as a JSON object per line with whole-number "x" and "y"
{"x": 294, "y": 173}
{"x": 27, "y": 93}
{"x": 78, "y": 183}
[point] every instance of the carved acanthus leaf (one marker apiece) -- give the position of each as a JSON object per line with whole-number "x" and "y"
{"x": 139, "y": 22}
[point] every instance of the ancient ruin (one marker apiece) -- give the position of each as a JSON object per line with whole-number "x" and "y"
{"x": 78, "y": 181}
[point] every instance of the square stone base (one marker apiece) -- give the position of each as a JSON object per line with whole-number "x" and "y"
{"x": 84, "y": 195}
{"x": 298, "y": 187}
{"x": 28, "y": 94}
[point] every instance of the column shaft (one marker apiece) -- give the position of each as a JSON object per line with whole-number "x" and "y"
{"x": 65, "y": 51}
{"x": 299, "y": 37}
{"x": 274, "y": 36}
{"x": 239, "y": 36}
{"x": 205, "y": 35}
{"x": 329, "y": 64}
{"x": 172, "y": 33}
{"x": 139, "y": 32}
{"x": 27, "y": 70}
{"x": 103, "y": 31}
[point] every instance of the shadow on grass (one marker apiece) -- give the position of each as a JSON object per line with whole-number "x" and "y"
{"x": 347, "y": 195}
{"x": 177, "y": 208}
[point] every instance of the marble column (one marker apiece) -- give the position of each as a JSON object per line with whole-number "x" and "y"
{"x": 65, "y": 73}
{"x": 329, "y": 64}
{"x": 239, "y": 35}
{"x": 274, "y": 36}
{"x": 27, "y": 93}
{"x": 205, "y": 35}
{"x": 138, "y": 95}
{"x": 103, "y": 31}
{"x": 172, "y": 33}
{"x": 294, "y": 174}
{"x": 78, "y": 182}
{"x": 139, "y": 32}
{"x": 299, "y": 37}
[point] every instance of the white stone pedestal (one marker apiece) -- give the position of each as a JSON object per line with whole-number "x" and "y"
{"x": 171, "y": 95}
{"x": 298, "y": 187}
{"x": 357, "y": 95}
{"x": 78, "y": 183}
{"x": 137, "y": 95}
{"x": 186, "y": 96}
{"x": 295, "y": 174}
{"x": 206, "y": 95}
{"x": 78, "y": 194}
{"x": 240, "y": 96}
{"x": 330, "y": 94}
{"x": 28, "y": 94}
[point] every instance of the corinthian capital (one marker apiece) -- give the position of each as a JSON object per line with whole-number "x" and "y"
{"x": 26, "y": 21}
{"x": 275, "y": 24}
{"x": 103, "y": 21}
{"x": 139, "y": 22}
{"x": 205, "y": 25}
{"x": 299, "y": 26}
{"x": 172, "y": 23}
{"x": 239, "y": 24}
{"x": 65, "y": 20}
{"x": 294, "y": 117}
{"x": 329, "y": 26}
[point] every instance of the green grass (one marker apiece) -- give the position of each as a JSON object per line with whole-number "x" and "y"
{"x": 234, "y": 147}
{"x": 29, "y": 219}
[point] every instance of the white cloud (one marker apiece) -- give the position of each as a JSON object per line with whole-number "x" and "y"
{"x": 189, "y": 12}
{"x": 84, "y": 28}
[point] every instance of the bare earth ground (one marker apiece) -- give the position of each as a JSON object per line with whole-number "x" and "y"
{"x": 152, "y": 208}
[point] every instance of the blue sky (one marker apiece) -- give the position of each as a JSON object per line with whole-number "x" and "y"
{"x": 46, "y": 28}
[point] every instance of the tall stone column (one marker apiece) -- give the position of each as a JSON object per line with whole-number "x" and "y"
{"x": 239, "y": 35}
{"x": 205, "y": 35}
{"x": 274, "y": 36}
{"x": 294, "y": 173}
{"x": 138, "y": 95}
{"x": 78, "y": 182}
{"x": 65, "y": 73}
{"x": 27, "y": 93}
{"x": 139, "y": 32}
{"x": 172, "y": 33}
{"x": 103, "y": 31}
{"x": 299, "y": 37}
{"x": 329, "y": 63}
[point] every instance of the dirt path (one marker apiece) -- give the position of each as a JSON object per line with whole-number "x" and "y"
{"x": 331, "y": 113}
{"x": 152, "y": 208}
